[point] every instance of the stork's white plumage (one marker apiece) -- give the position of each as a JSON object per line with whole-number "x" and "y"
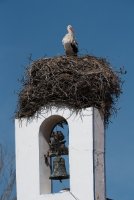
{"x": 69, "y": 42}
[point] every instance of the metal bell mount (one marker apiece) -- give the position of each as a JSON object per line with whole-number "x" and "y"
{"x": 57, "y": 144}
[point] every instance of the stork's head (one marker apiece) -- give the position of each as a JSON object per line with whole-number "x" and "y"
{"x": 70, "y": 29}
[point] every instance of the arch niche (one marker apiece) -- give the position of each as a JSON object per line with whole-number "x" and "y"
{"x": 44, "y": 134}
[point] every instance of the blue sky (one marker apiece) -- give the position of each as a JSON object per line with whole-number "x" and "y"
{"x": 103, "y": 28}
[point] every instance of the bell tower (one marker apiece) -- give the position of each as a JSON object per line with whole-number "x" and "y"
{"x": 62, "y": 90}
{"x": 86, "y": 156}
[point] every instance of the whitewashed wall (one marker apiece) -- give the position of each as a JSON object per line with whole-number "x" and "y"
{"x": 31, "y": 145}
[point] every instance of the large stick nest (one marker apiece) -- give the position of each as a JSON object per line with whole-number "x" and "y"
{"x": 71, "y": 82}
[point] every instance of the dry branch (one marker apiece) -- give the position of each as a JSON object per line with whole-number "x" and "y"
{"x": 7, "y": 177}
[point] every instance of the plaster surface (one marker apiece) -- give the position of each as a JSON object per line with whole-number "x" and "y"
{"x": 99, "y": 156}
{"x": 31, "y": 144}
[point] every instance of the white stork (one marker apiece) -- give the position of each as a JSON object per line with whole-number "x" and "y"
{"x": 69, "y": 42}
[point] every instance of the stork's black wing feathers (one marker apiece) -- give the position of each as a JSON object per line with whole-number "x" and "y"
{"x": 74, "y": 47}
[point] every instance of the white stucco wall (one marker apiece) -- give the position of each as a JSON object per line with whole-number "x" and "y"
{"x": 30, "y": 148}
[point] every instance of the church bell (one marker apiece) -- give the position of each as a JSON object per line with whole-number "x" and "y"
{"x": 59, "y": 169}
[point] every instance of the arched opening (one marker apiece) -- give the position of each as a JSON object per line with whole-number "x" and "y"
{"x": 52, "y": 128}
